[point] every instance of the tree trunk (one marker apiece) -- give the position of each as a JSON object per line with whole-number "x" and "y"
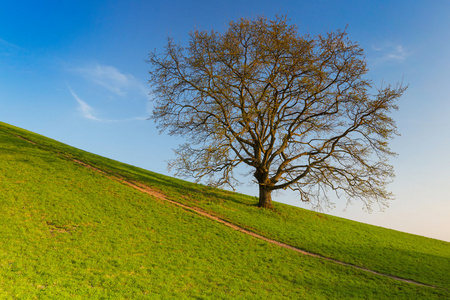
{"x": 265, "y": 196}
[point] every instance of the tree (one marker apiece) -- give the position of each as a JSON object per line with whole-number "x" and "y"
{"x": 296, "y": 109}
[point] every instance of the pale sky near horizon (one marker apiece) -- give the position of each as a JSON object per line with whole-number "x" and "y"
{"x": 75, "y": 71}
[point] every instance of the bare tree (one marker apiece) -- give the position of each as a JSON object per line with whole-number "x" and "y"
{"x": 294, "y": 108}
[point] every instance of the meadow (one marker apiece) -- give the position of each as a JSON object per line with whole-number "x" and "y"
{"x": 71, "y": 231}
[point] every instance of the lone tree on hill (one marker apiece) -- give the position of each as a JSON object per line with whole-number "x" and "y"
{"x": 296, "y": 109}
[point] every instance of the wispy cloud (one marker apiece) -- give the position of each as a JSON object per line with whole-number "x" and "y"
{"x": 391, "y": 53}
{"x": 113, "y": 92}
{"x": 86, "y": 110}
{"x": 113, "y": 80}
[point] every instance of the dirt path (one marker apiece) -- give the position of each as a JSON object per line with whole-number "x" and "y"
{"x": 148, "y": 190}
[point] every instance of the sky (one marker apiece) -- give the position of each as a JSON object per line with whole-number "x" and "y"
{"x": 75, "y": 71}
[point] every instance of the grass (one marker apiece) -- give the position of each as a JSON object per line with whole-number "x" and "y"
{"x": 68, "y": 231}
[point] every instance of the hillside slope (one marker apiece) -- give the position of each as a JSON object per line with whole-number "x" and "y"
{"x": 68, "y": 230}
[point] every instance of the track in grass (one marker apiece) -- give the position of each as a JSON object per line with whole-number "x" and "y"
{"x": 148, "y": 190}
{"x": 160, "y": 196}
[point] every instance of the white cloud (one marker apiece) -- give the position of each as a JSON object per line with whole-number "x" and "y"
{"x": 113, "y": 80}
{"x": 86, "y": 110}
{"x": 105, "y": 84}
{"x": 398, "y": 53}
{"x": 390, "y": 52}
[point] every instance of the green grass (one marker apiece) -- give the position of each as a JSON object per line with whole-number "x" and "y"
{"x": 68, "y": 231}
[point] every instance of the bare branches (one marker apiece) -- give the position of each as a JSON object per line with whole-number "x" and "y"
{"x": 296, "y": 109}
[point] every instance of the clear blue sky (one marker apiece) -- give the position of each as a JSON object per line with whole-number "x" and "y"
{"x": 75, "y": 71}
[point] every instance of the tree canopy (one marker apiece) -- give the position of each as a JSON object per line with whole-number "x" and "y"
{"x": 295, "y": 109}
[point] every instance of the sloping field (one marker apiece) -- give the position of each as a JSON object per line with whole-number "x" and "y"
{"x": 69, "y": 230}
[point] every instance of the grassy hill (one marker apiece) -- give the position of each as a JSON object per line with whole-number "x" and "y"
{"x": 68, "y": 230}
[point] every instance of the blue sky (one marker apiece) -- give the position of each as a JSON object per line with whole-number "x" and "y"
{"x": 75, "y": 71}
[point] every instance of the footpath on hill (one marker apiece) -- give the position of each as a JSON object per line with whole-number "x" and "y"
{"x": 160, "y": 196}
